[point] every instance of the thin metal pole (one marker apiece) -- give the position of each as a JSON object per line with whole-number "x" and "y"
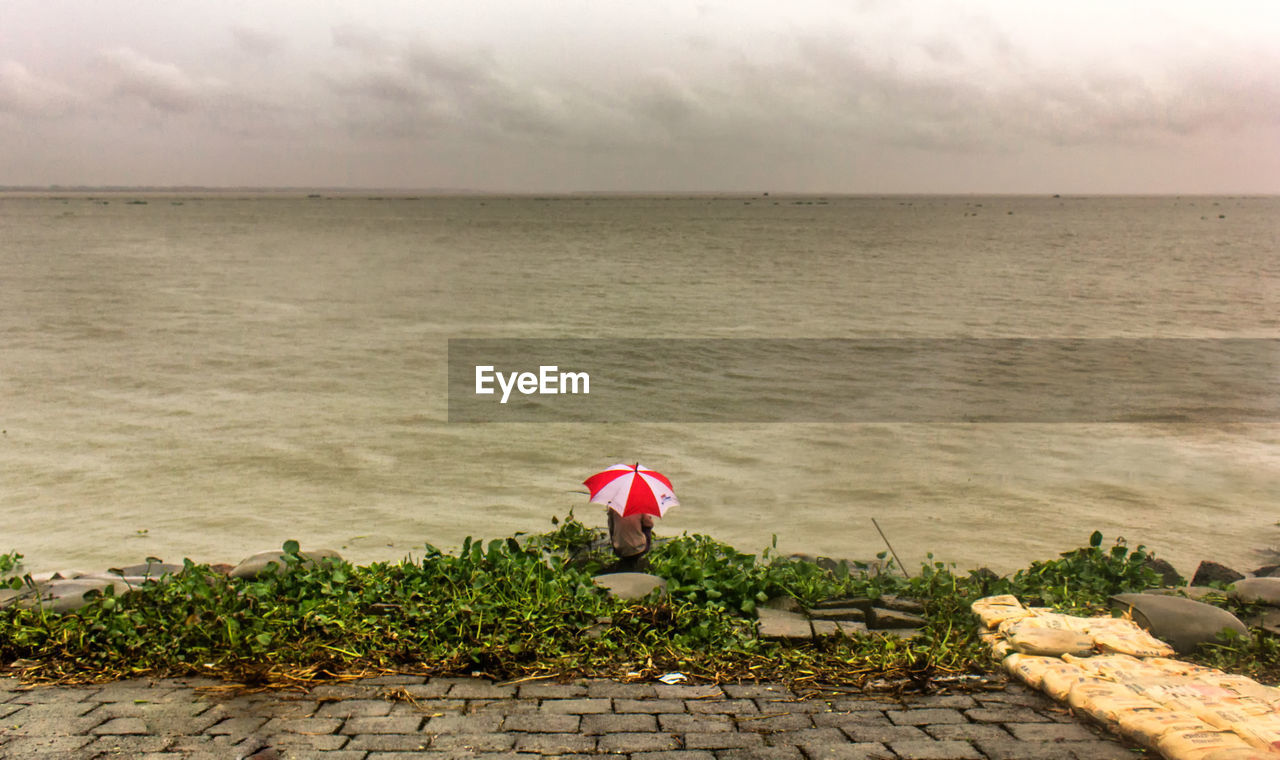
{"x": 901, "y": 566}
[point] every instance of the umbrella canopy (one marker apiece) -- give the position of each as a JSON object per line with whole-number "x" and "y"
{"x": 631, "y": 489}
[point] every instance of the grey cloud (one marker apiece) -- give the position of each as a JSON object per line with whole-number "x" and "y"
{"x": 25, "y": 94}
{"x": 256, "y": 41}
{"x": 162, "y": 86}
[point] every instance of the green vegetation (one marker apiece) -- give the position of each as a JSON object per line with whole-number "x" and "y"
{"x": 511, "y": 608}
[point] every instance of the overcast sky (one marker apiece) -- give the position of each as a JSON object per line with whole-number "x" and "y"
{"x": 645, "y": 95}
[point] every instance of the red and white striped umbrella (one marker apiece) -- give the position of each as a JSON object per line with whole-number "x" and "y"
{"x": 631, "y": 489}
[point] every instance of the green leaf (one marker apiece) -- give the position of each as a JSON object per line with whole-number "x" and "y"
{"x": 290, "y": 547}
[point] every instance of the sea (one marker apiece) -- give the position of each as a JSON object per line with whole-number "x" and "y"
{"x": 208, "y": 374}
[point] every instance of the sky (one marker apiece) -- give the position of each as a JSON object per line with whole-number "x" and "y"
{"x": 528, "y": 96}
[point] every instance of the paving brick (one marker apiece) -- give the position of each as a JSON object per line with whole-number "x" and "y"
{"x": 395, "y": 680}
{"x": 300, "y": 742}
{"x": 702, "y": 724}
{"x": 479, "y": 723}
{"x": 859, "y": 751}
{"x": 43, "y": 746}
{"x": 1011, "y": 749}
{"x": 237, "y": 727}
{"x": 390, "y": 742}
{"x": 296, "y": 754}
{"x": 924, "y": 717}
{"x": 648, "y": 705}
{"x": 862, "y": 718}
{"x": 688, "y": 691}
{"x": 555, "y": 744}
{"x": 968, "y": 731}
{"x": 427, "y": 690}
{"x": 722, "y": 706}
{"x": 389, "y": 725}
{"x": 858, "y": 705}
{"x": 1050, "y": 732}
{"x": 775, "y": 722}
{"x": 503, "y": 706}
{"x": 576, "y": 706}
{"x": 541, "y": 723}
{"x": 121, "y": 726}
{"x": 883, "y": 734}
{"x": 761, "y": 753}
{"x": 722, "y": 740}
{"x": 347, "y": 691}
{"x": 955, "y": 701}
{"x": 1005, "y": 715}
{"x": 792, "y": 705}
{"x": 805, "y": 736}
{"x": 309, "y": 726}
{"x": 674, "y": 755}
{"x": 626, "y": 743}
{"x": 355, "y": 708}
{"x": 261, "y": 705}
{"x": 126, "y": 746}
{"x": 747, "y": 691}
{"x": 479, "y": 689}
{"x": 597, "y": 688}
{"x": 474, "y": 742}
{"x": 612, "y": 724}
{"x": 935, "y": 750}
{"x": 551, "y": 690}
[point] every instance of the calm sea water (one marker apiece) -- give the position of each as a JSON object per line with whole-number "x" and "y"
{"x": 209, "y": 376}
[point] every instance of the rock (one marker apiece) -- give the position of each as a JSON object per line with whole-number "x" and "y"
{"x": 148, "y": 569}
{"x": 897, "y": 633}
{"x": 900, "y": 604}
{"x": 1198, "y": 593}
{"x": 1267, "y": 571}
{"x": 779, "y": 624}
{"x": 1168, "y": 575}
{"x": 630, "y": 585}
{"x": 1268, "y": 621}
{"x": 1183, "y": 623}
{"x": 253, "y": 565}
{"x": 861, "y": 602}
{"x": 65, "y": 595}
{"x": 1257, "y": 590}
{"x": 1209, "y": 573}
{"x": 881, "y": 618}
{"x": 56, "y": 575}
{"x": 838, "y": 628}
{"x": 838, "y": 613}
{"x": 785, "y": 603}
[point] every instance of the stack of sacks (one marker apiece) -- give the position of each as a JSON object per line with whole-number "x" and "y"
{"x": 1120, "y": 675}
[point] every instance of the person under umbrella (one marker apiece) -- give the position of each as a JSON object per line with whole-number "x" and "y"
{"x": 634, "y": 495}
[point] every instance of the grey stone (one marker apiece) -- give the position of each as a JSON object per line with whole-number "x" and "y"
{"x": 250, "y": 567}
{"x": 848, "y": 628}
{"x": 1050, "y": 732}
{"x": 150, "y": 569}
{"x": 1257, "y": 590}
{"x": 722, "y": 740}
{"x": 778, "y": 624}
{"x": 1267, "y": 571}
{"x": 881, "y": 617}
{"x": 838, "y": 613}
{"x": 926, "y": 716}
{"x": 1183, "y": 623}
{"x": 785, "y": 603}
{"x": 630, "y": 585}
{"x": 541, "y": 723}
{"x": 844, "y": 602}
{"x": 582, "y": 706}
{"x": 900, "y": 604}
{"x": 649, "y": 741}
{"x": 1168, "y": 575}
{"x": 855, "y": 751}
{"x": 1208, "y": 573}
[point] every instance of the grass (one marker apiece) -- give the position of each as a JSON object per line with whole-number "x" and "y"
{"x": 513, "y": 608}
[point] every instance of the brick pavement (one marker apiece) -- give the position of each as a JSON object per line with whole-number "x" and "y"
{"x": 403, "y": 717}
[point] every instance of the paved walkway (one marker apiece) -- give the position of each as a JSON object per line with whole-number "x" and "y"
{"x": 398, "y": 718}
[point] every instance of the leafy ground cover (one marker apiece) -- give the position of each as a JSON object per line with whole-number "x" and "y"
{"x": 513, "y": 608}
